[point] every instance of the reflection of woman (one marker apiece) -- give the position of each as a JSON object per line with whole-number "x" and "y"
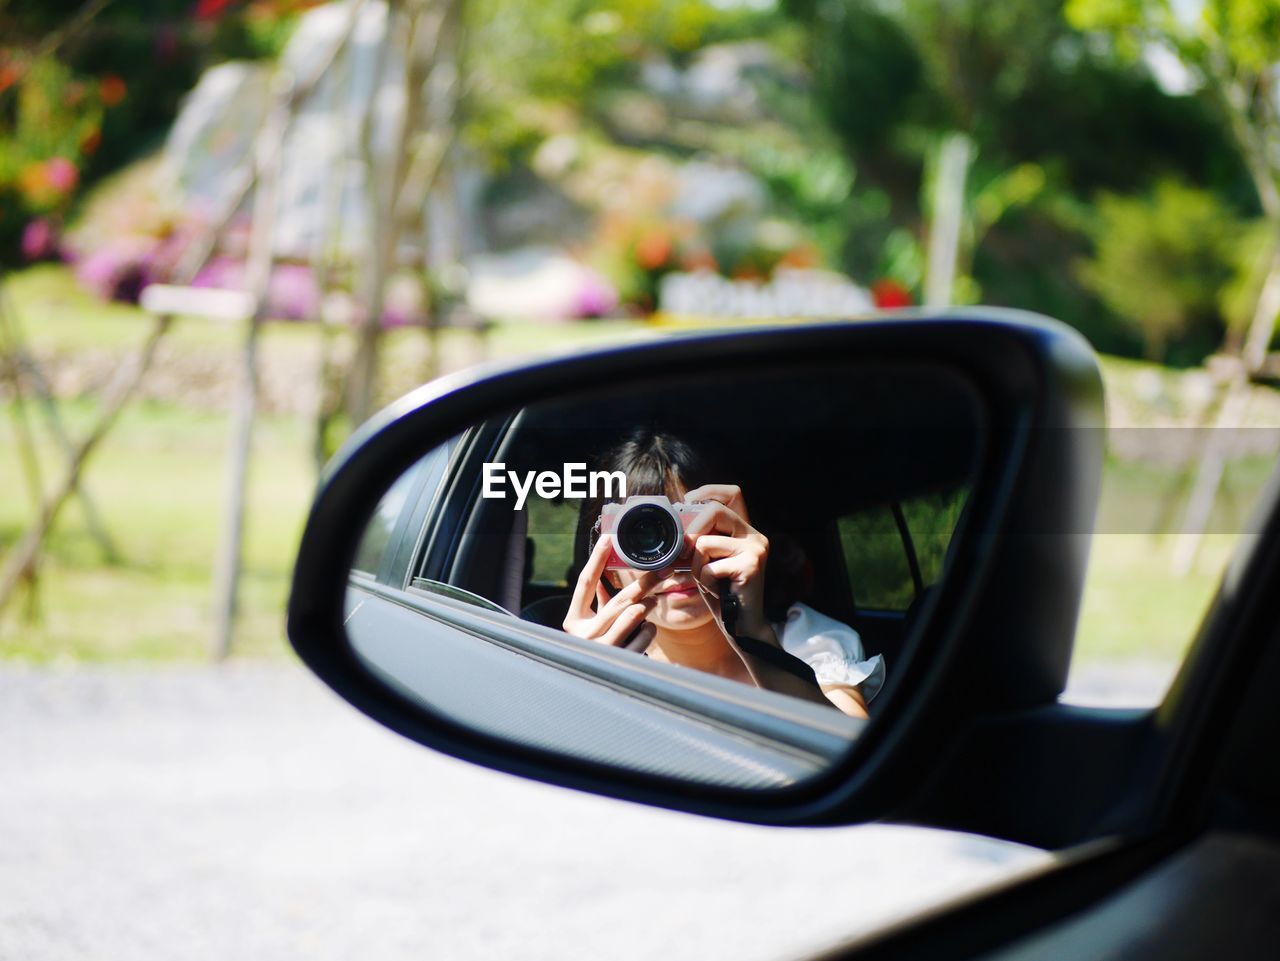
{"x": 679, "y": 613}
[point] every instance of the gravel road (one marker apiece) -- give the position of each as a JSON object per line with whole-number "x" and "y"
{"x": 247, "y": 813}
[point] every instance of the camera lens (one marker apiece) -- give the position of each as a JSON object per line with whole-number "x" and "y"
{"x": 648, "y": 536}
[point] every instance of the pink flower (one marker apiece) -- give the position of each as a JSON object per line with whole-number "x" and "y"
{"x": 61, "y": 174}
{"x": 166, "y": 43}
{"x": 39, "y": 240}
{"x": 119, "y": 271}
{"x": 595, "y": 298}
{"x": 402, "y": 302}
{"x": 222, "y": 273}
{"x": 292, "y": 293}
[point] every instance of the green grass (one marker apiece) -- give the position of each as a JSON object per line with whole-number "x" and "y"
{"x": 1134, "y": 606}
{"x": 159, "y": 486}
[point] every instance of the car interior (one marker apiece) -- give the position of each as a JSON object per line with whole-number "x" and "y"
{"x": 877, "y": 467}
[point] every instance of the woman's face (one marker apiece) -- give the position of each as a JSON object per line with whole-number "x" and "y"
{"x": 680, "y": 605}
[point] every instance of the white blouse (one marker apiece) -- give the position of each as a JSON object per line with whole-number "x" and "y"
{"x": 834, "y": 650}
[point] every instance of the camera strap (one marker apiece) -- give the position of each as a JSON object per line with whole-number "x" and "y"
{"x": 776, "y": 656}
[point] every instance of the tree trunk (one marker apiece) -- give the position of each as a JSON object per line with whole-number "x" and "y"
{"x": 1230, "y": 419}
{"x": 226, "y": 575}
{"x": 123, "y": 386}
{"x": 947, "y": 218}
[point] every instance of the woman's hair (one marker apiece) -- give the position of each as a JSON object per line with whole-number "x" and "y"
{"x": 656, "y": 462}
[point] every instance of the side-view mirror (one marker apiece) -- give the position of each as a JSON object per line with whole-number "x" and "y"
{"x": 772, "y": 574}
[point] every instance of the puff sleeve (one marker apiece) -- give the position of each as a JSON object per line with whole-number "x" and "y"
{"x": 834, "y": 650}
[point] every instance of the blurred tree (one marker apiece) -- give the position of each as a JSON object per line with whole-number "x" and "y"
{"x": 1231, "y": 49}
{"x": 534, "y": 68}
{"x": 1161, "y": 263}
{"x": 1029, "y": 89}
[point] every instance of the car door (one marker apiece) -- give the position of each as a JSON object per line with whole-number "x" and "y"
{"x": 1144, "y": 804}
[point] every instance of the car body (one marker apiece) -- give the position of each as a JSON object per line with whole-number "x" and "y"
{"x": 1163, "y": 817}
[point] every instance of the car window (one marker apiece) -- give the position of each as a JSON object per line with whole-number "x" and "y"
{"x": 552, "y": 527}
{"x": 389, "y": 516}
{"x": 1153, "y": 569}
{"x": 377, "y": 537}
{"x": 893, "y": 551}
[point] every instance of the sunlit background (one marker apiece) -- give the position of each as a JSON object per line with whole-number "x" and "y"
{"x": 491, "y": 178}
{"x": 300, "y": 211}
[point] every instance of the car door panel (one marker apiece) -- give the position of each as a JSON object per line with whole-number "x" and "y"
{"x": 680, "y": 724}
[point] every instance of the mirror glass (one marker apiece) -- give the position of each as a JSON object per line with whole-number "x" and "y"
{"x": 711, "y": 576}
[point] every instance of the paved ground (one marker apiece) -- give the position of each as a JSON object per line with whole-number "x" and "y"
{"x": 246, "y": 813}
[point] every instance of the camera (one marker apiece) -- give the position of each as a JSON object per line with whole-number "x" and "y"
{"x": 648, "y": 533}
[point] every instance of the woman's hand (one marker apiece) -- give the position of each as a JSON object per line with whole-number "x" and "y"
{"x": 613, "y": 618}
{"x": 727, "y": 547}
{"x": 730, "y": 495}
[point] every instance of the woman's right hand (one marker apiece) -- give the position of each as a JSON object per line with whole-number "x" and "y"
{"x": 613, "y": 618}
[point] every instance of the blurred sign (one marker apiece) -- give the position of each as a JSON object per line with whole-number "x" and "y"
{"x": 791, "y": 293}
{"x": 229, "y": 306}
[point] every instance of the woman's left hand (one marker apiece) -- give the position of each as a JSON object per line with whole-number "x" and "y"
{"x": 727, "y": 547}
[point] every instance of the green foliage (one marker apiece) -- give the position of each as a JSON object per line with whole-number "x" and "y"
{"x": 1231, "y": 48}
{"x": 54, "y": 115}
{"x": 553, "y": 526}
{"x": 808, "y": 182}
{"x": 1254, "y": 252}
{"x": 1232, "y": 34}
{"x": 537, "y": 68}
{"x": 858, "y": 49}
{"x": 875, "y": 555}
{"x": 1249, "y": 29}
{"x": 1055, "y": 117}
{"x": 94, "y": 92}
{"x": 1161, "y": 264}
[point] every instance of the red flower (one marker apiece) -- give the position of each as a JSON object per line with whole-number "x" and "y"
{"x": 111, "y": 89}
{"x": 9, "y": 75}
{"x": 211, "y": 9}
{"x": 653, "y": 250}
{"x": 888, "y": 294}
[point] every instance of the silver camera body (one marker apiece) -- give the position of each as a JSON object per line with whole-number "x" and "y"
{"x": 649, "y": 533}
